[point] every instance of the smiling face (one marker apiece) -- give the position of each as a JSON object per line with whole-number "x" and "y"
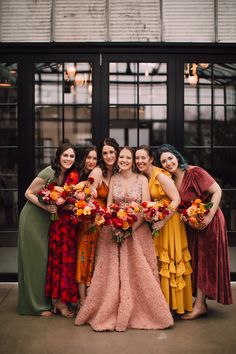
{"x": 67, "y": 159}
{"x": 109, "y": 155}
{"x": 91, "y": 160}
{"x": 125, "y": 160}
{"x": 143, "y": 160}
{"x": 169, "y": 162}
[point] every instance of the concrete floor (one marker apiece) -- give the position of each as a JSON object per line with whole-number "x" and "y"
{"x": 36, "y": 335}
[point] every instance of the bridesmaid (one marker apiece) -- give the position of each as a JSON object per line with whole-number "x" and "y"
{"x": 108, "y": 152}
{"x": 209, "y": 245}
{"x": 61, "y": 287}
{"x": 87, "y": 240}
{"x": 34, "y": 223}
{"x": 171, "y": 243}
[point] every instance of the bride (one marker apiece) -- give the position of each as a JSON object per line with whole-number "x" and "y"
{"x": 125, "y": 291}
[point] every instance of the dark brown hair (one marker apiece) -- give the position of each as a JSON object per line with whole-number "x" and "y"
{"x": 110, "y": 142}
{"x": 56, "y": 161}
{"x": 82, "y": 168}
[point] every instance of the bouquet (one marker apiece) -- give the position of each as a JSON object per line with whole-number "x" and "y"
{"x": 86, "y": 207}
{"x": 52, "y": 194}
{"x": 84, "y": 190}
{"x": 91, "y": 211}
{"x": 155, "y": 211}
{"x": 122, "y": 217}
{"x": 193, "y": 212}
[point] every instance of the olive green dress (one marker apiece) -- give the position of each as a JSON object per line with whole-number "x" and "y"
{"x": 33, "y": 255}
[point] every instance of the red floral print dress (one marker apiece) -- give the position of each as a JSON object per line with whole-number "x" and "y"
{"x": 63, "y": 235}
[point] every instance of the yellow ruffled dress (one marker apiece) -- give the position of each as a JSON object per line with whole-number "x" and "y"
{"x": 173, "y": 255}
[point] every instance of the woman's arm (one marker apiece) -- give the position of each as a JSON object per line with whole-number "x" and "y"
{"x": 96, "y": 174}
{"x": 145, "y": 198}
{"x": 36, "y": 185}
{"x": 172, "y": 193}
{"x": 216, "y": 194}
{"x": 109, "y": 196}
{"x": 170, "y": 190}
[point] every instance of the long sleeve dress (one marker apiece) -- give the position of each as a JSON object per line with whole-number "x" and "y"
{"x": 209, "y": 247}
{"x": 173, "y": 255}
{"x": 34, "y": 224}
{"x": 125, "y": 291}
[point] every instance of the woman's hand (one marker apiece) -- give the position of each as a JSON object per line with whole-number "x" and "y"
{"x": 51, "y": 208}
{"x": 206, "y": 221}
{"x": 158, "y": 225}
{"x": 68, "y": 206}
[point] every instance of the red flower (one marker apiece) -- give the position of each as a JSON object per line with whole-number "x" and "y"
{"x": 117, "y": 222}
{"x": 51, "y": 186}
{"x": 91, "y": 180}
{"x": 71, "y": 200}
{"x": 73, "y": 177}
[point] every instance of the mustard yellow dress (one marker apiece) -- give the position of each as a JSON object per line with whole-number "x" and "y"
{"x": 173, "y": 256}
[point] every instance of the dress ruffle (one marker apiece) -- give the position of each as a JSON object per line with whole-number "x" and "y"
{"x": 173, "y": 255}
{"x": 174, "y": 265}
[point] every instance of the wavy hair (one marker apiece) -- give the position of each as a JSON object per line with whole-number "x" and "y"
{"x": 170, "y": 148}
{"x": 113, "y": 143}
{"x": 56, "y": 161}
{"x": 82, "y": 167}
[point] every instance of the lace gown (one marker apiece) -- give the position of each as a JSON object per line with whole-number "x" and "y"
{"x": 125, "y": 291}
{"x": 173, "y": 255}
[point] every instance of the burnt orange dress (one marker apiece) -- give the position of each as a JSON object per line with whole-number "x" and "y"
{"x": 87, "y": 243}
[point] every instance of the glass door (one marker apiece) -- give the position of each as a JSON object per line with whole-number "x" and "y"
{"x": 8, "y": 168}
{"x": 63, "y": 107}
{"x": 137, "y": 99}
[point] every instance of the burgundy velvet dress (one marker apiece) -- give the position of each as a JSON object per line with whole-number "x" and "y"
{"x": 209, "y": 247}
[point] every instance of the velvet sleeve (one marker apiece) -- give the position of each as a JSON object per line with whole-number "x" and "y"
{"x": 201, "y": 179}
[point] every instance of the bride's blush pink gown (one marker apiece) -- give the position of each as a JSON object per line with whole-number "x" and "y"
{"x": 125, "y": 291}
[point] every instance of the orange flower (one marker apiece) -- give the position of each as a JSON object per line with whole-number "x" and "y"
{"x": 54, "y": 195}
{"x": 125, "y": 225}
{"x": 80, "y": 204}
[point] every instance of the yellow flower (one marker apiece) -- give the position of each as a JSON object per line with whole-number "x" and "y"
{"x": 99, "y": 219}
{"x": 202, "y": 208}
{"x": 68, "y": 187}
{"x": 122, "y": 214}
{"x": 79, "y": 212}
{"x": 87, "y": 191}
{"x": 192, "y": 210}
{"x": 54, "y": 195}
{"x": 80, "y": 186}
{"x": 87, "y": 210}
{"x": 125, "y": 225}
